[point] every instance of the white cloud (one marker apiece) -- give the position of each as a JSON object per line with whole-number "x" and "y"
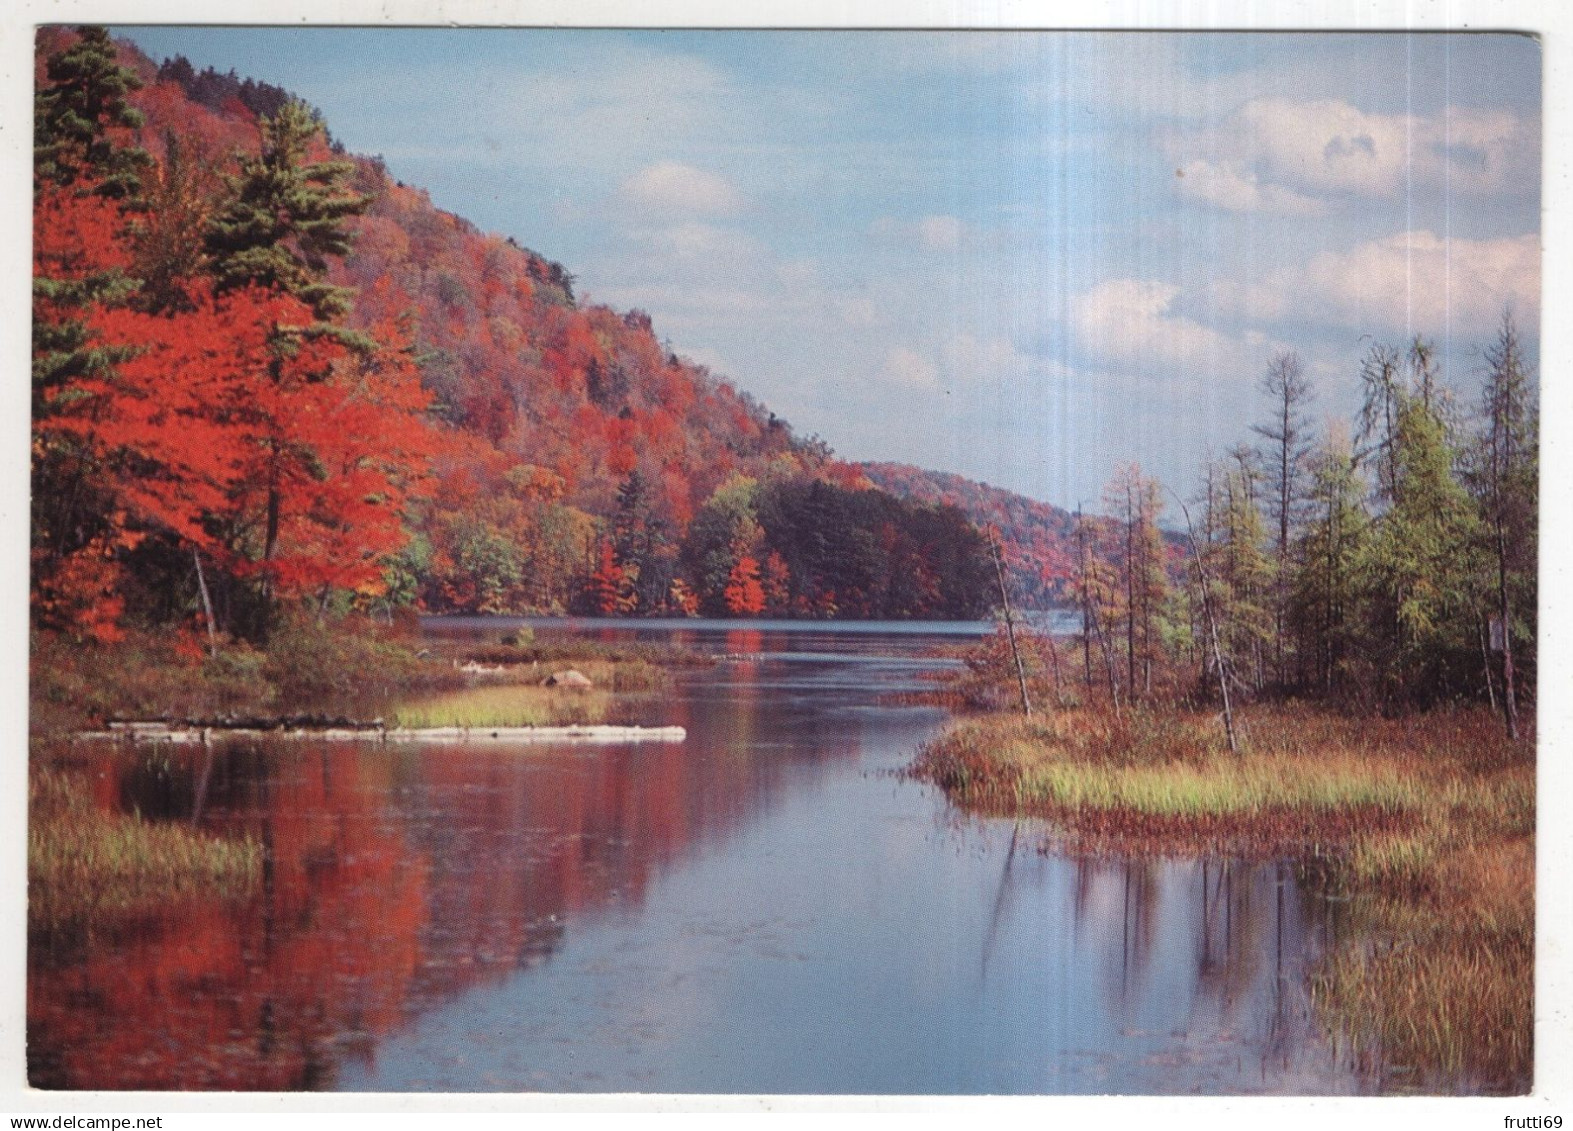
{"x": 1409, "y": 282}
{"x": 959, "y": 360}
{"x": 1131, "y": 322}
{"x": 1327, "y": 145}
{"x": 1236, "y": 189}
{"x": 972, "y": 360}
{"x": 672, "y": 188}
{"x": 1280, "y": 154}
{"x": 1259, "y": 300}
{"x": 1423, "y": 282}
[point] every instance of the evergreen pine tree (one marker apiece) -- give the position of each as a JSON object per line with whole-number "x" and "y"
{"x": 287, "y": 218}
{"x": 81, "y": 117}
{"x": 86, "y": 175}
{"x": 1504, "y": 477}
{"x": 81, "y": 163}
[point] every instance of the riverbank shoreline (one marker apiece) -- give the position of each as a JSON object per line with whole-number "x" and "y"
{"x": 92, "y": 866}
{"x": 1425, "y": 825}
{"x": 349, "y": 669}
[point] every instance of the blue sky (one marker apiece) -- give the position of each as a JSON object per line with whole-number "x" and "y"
{"x": 1025, "y": 257}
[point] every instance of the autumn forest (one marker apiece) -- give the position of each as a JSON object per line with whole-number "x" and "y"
{"x": 265, "y": 373}
{"x": 268, "y": 378}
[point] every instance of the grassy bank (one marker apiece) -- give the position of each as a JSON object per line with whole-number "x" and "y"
{"x": 90, "y": 867}
{"x": 1425, "y": 824}
{"x": 348, "y": 668}
{"x": 342, "y": 668}
{"x": 506, "y": 705}
{"x": 89, "y": 870}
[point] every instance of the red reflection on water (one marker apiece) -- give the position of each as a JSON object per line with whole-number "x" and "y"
{"x": 394, "y": 879}
{"x": 744, "y": 642}
{"x": 261, "y": 996}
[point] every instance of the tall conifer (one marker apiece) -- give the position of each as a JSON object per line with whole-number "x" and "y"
{"x": 288, "y": 217}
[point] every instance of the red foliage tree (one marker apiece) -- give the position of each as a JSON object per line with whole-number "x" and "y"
{"x": 745, "y": 596}
{"x": 608, "y": 593}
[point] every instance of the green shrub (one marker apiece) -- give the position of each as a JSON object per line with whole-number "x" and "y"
{"x": 328, "y": 664}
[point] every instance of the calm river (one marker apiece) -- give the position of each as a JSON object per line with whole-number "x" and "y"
{"x": 766, "y": 908}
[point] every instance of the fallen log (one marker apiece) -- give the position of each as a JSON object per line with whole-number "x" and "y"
{"x": 159, "y": 731}
{"x": 245, "y": 722}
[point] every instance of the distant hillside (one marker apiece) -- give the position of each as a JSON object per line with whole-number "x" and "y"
{"x": 1039, "y": 540}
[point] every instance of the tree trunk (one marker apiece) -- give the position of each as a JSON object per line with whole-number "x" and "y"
{"x": 207, "y": 603}
{"x": 1054, "y": 666}
{"x": 1212, "y": 630}
{"x": 1509, "y": 700}
{"x": 1130, "y": 591}
{"x": 1010, "y": 625}
{"x": 269, "y": 548}
{"x": 1086, "y": 605}
{"x": 1485, "y": 663}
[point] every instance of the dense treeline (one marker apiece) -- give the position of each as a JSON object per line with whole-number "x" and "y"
{"x": 1389, "y": 563}
{"x": 1037, "y": 540}
{"x": 804, "y": 547}
{"x": 266, "y": 377}
{"x": 265, "y": 373}
{"x": 215, "y": 91}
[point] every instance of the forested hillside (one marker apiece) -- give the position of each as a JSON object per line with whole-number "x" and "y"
{"x": 397, "y": 408}
{"x": 1038, "y": 541}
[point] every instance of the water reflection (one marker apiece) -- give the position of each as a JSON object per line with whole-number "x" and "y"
{"x": 760, "y": 909}
{"x": 393, "y": 879}
{"x": 1213, "y": 953}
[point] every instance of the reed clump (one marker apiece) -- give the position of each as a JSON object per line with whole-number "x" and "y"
{"x": 89, "y": 868}
{"x": 1424, "y": 824}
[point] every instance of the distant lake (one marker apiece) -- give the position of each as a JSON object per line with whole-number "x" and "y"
{"x": 704, "y": 631}
{"x": 769, "y": 907}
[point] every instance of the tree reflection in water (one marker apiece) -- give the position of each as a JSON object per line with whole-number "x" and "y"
{"x": 773, "y": 909}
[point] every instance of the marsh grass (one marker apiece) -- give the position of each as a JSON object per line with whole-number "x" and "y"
{"x": 1442, "y": 996}
{"x": 1163, "y": 781}
{"x": 1425, "y": 825}
{"x": 507, "y": 704}
{"x": 89, "y": 869}
{"x": 344, "y": 668}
